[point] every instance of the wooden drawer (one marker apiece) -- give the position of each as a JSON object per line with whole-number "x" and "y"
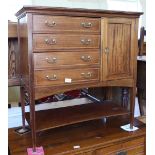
{"x": 59, "y": 41}
{"x": 55, "y": 24}
{"x": 134, "y": 147}
{"x": 62, "y": 59}
{"x": 68, "y": 76}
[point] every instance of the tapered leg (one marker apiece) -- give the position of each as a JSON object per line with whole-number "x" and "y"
{"x": 132, "y": 105}
{"x": 32, "y": 119}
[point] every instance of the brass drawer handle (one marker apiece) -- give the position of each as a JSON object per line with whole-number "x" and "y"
{"x": 86, "y": 41}
{"x": 86, "y": 25}
{"x": 86, "y": 58}
{"x": 51, "y": 60}
{"x": 86, "y": 75}
{"x": 122, "y": 153}
{"x": 51, "y": 78}
{"x": 50, "y": 24}
{"x": 50, "y": 41}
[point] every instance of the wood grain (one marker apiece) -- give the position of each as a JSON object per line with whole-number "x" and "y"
{"x": 23, "y": 47}
{"x": 116, "y": 68}
{"x": 66, "y": 59}
{"x": 61, "y": 76}
{"x": 91, "y": 136}
{"x": 60, "y": 41}
{"x": 133, "y": 147}
{"x": 57, "y": 24}
{"x": 47, "y": 119}
{"x": 12, "y": 29}
{"x": 77, "y": 12}
{"x": 13, "y": 59}
{"x": 42, "y": 91}
{"x": 12, "y": 44}
{"x": 117, "y": 38}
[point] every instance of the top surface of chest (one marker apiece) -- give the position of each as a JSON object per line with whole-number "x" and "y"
{"x": 75, "y": 11}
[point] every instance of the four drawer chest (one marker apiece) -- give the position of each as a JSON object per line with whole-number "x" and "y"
{"x": 63, "y": 49}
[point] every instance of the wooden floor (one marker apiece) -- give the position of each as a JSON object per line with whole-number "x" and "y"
{"x": 63, "y": 139}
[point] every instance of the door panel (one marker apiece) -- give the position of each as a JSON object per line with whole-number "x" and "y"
{"x": 117, "y": 52}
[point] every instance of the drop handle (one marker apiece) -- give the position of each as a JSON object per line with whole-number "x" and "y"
{"x": 86, "y": 25}
{"x": 86, "y": 75}
{"x": 50, "y": 24}
{"x": 86, "y": 41}
{"x": 50, "y": 41}
{"x": 86, "y": 58}
{"x": 51, "y": 60}
{"x": 51, "y": 78}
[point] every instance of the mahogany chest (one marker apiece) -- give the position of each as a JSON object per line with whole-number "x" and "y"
{"x": 63, "y": 49}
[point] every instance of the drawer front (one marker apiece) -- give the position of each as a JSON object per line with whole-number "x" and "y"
{"x": 68, "y": 76}
{"x": 134, "y": 147}
{"x": 58, "y": 59}
{"x": 59, "y": 41}
{"x": 47, "y": 23}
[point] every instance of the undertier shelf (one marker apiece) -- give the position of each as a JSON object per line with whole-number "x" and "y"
{"x": 52, "y": 118}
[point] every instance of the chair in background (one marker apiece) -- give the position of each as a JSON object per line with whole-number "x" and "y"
{"x": 141, "y": 42}
{"x": 141, "y": 73}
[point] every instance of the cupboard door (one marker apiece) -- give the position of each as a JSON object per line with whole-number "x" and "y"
{"x": 118, "y": 52}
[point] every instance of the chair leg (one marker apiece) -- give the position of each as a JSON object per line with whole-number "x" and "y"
{"x": 140, "y": 98}
{"x": 125, "y": 97}
{"x": 23, "y": 129}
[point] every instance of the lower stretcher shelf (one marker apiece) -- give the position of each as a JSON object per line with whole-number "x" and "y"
{"x": 52, "y": 118}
